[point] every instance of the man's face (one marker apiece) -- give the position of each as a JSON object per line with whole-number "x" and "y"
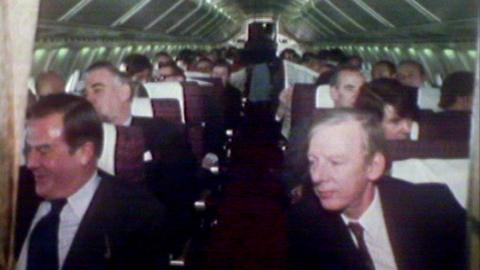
{"x": 381, "y": 71}
{"x": 167, "y": 74}
{"x": 346, "y": 91}
{"x": 102, "y": 90}
{"x": 394, "y": 126}
{"x": 221, "y": 73}
{"x": 49, "y": 157}
{"x": 410, "y": 75}
{"x": 342, "y": 177}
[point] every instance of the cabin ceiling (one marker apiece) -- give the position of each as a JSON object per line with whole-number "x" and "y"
{"x": 215, "y": 21}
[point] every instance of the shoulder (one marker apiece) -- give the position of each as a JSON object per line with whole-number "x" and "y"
{"x": 126, "y": 196}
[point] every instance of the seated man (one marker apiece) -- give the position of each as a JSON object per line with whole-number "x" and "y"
{"x": 457, "y": 91}
{"x": 357, "y": 218}
{"x": 87, "y": 219}
{"x": 383, "y": 69}
{"x": 171, "y": 173}
{"x": 138, "y": 67}
{"x": 388, "y": 99}
{"x": 170, "y": 73}
{"x": 412, "y": 74}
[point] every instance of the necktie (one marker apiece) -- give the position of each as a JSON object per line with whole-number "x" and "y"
{"x": 357, "y": 230}
{"x": 43, "y": 246}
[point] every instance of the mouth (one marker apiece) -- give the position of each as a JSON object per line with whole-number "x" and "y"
{"x": 324, "y": 194}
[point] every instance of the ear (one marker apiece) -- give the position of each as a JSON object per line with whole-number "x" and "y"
{"x": 125, "y": 92}
{"x": 334, "y": 93}
{"x": 377, "y": 166}
{"x": 85, "y": 153}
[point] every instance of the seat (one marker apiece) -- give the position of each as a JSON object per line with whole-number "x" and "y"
{"x": 452, "y": 125}
{"x": 171, "y": 95}
{"x": 303, "y": 102}
{"x": 123, "y": 152}
{"x": 432, "y": 161}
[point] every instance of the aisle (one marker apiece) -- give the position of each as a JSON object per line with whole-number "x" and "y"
{"x": 250, "y": 233}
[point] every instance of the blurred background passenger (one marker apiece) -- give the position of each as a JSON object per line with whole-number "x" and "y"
{"x": 383, "y": 69}
{"x": 48, "y": 83}
{"x": 457, "y": 91}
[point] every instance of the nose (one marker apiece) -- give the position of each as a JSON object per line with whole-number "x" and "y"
{"x": 406, "y": 127}
{"x": 319, "y": 173}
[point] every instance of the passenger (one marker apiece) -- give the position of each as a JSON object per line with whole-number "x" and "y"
{"x": 390, "y": 102}
{"x": 162, "y": 59}
{"x": 138, "y": 68}
{"x": 412, "y": 73}
{"x": 345, "y": 86}
{"x": 170, "y": 73}
{"x": 355, "y": 61}
{"x": 171, "y": 173}
{"x": 383, "y": 69}
{"x": 357, "y": 218}
{"x": 290, "y": 55}
{"x": 48, "y": 83}
{"x": 87, "y": 219}
{"x": 233, "y": 96}
{"x": 457, "y": 91}
{"x": 203, "y": 65}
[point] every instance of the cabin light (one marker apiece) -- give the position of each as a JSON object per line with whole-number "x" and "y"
{"x": 472, "y": 53}
{"x": 449, "y": 53}
{"x": 39, "y": 53}
{"x": 62, "y": 52}
{"x": 398, "y": 50}
{"x": 412, "y": 51}
{"x": 428, "y": 52}
{"x": 85, "y": 50}
{"x": 386, "y": 49}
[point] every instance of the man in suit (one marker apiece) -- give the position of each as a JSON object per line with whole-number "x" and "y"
{"x": 357, "y": 218}
{"x": 85, "y": 219}
{"x": 170, "y": 173}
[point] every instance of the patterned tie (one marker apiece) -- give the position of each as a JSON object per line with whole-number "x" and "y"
{"x": 43, "y": 246}
{"x": 357, "y": 230}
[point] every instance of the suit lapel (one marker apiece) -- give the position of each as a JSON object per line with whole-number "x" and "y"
{"x": 90, "y": 243}
{"x": 397, "y": 215}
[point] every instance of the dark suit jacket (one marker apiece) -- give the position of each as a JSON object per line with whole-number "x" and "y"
{"x": 425, "y": 225}
{"x": 171, "y": 175}
{"x": 123, "y": 228}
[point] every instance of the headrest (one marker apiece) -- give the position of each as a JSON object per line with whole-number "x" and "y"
{"x": 196, "y": 74}
{"x": 414, "y": 133}
{"x": 200, "y": 82}
{"x": 171, "y": 90}
{"x": 238, "y": 79}
{"x": 428, "y": 98}
{"x": 295, "y": 73}
{"x": 73, "y": 80}
{"x": 106, "y": 161}
{"x": 142, "y": 107}
{"x": 452, "y": 172}
{"x": 322, "y": 97}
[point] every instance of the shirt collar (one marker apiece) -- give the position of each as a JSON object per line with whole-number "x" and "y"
{"x": 81, "y": 199}
{"x": 372, "y": 217}
{"x": 128, "y": 122}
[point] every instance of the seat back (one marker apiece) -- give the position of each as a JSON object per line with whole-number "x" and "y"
{"x": 432, "y": 161}
{"x": 169, "y": 92}
{"x": 195, "y": 117}
{"x": 123, "y": 152}
{"x": 444, "y": 126}
{"x": 303, "y": 102}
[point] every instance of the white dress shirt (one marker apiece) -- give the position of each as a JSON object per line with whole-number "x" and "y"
{"x": 375, "y": 235}
{"x": 70, "y": 218}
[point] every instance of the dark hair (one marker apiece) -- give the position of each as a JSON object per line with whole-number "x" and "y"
{"x": 335, "y": 78}
{"x": 176, "y": 70}
{"x": 136, "y": 63}
{"x": 419, "y": 66}
{"x": 165, "y": 54}
{"x": 380, "y": 92}
{"x": 388, "y": 64}
{"x": 375, "y": 141}
{"x": 81, "y": 122}
{"x": 456, "y": 84}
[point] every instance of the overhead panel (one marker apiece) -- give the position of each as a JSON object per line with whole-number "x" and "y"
{"x": 399, "y": 13}
{"x": 364, "y": 14}
{"x": 448, "y": 10}
{"x": 149, "y": 13}
{"x": 177, "y": 11}
{"x": 94, "y": 13}
{"x": 54, "y": 9}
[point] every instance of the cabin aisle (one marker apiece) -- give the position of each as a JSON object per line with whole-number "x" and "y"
{"x": 250, "y": 229}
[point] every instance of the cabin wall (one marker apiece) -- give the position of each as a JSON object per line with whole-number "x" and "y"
{"x": 438, "y": 59}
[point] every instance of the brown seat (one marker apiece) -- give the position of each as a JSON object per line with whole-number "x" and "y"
{"x": 405, "y": 149}
{"x": 168, "y": 109}
{"x": 303, "y": 102}
{"x": 451, "y": 125}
